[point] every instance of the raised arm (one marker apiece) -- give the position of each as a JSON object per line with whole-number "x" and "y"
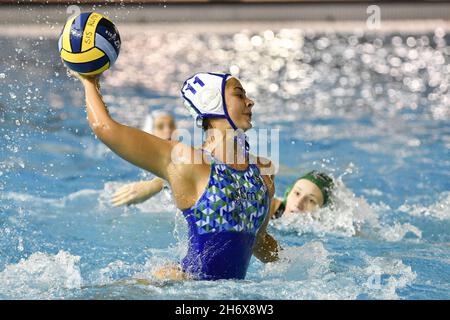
{"x": 138, "y": 147}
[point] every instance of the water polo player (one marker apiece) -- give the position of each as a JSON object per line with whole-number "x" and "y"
{"x": 161, "y": 124}
{"x": 226, "y": 204}
{"x": 309, "y": 192}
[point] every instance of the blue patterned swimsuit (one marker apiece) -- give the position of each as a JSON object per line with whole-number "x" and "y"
{"x": 224, "y": 222}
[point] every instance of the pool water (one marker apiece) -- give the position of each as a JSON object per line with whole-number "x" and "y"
{"x": 372, "y": 109}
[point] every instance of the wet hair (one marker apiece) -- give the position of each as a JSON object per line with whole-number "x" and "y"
{"x": 206, "y": 124}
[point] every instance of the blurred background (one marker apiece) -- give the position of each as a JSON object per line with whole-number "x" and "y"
{"x": 359, "y": 90}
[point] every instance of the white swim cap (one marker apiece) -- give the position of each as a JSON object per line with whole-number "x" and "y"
{"x": 204, "y": 96}
{"x": 150, "y": 119}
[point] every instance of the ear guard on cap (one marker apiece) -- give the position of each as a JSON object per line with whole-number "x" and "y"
{"x": 204, "y": 95}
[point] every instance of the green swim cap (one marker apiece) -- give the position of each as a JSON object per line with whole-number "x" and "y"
{"x": 320, "y": 179}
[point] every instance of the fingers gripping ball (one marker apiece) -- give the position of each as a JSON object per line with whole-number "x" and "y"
{"x": 89, "y": 43}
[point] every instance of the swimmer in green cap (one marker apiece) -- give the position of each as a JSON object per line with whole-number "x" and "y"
{"x": 308, "y": 193}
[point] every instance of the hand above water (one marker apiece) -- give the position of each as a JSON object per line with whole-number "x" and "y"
{"x": 137, "y": 192}
{"x": 85, "y": 79}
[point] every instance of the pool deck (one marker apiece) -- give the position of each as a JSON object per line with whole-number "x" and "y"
{"x": 47, "y": 20}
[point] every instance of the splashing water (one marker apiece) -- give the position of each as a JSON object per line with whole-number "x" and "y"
{"x": 41, "y": 276}
{"x": 344, "y": 217}
{"x": 347, "y": 216}
{"x": 438, "y": 210}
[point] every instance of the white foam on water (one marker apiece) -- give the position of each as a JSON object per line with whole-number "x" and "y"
{"x": 96, "y": 199}
{"x": 344, "y": 217}
{"x": 329, "y": 289}
{"x": 121, "y": 272}
{"x": 180, "y": 233}
{"x": 79, "y": 201}
{"x": 161, "y": 202}
{"x": 101, "y": 198}
{"x": 83, "y": 193}
{"x": 12, "y": 163}
{"x": 398, "y": 231}
{"x": 302, "y": 273}
{"x": 158, "y": 259}
{"x": 296, "y": 263}
{"x": 114, "y": 271}
{"x": 41, "y": 276}
{"x": 25, "y": 199}
{"x": 28, "y": 198}
{"x": 439, "y": 210}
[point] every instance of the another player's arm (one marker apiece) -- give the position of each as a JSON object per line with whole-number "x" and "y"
{"x": 276, "y": 203}
{"x": 266, "y": 247}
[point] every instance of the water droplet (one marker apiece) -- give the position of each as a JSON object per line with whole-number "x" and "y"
{"x": 20, "y": 246}
{"x": 234, "y": 70}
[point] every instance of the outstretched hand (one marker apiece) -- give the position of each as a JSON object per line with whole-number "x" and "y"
{"x": 132, "y": 193}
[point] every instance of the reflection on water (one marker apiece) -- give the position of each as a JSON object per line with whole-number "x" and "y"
{"x": 357, "y": 74}
{"x": 371, "y": 109}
